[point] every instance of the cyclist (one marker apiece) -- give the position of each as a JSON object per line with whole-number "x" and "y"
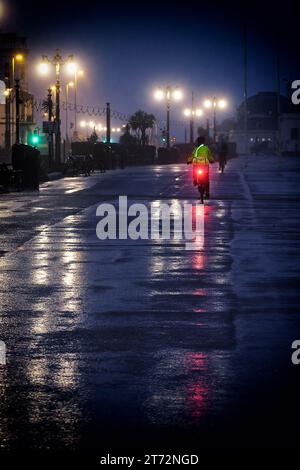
{"x": 201, "y": 156}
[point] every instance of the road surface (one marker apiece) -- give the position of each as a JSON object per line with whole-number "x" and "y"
{"x": 144, "y": 345}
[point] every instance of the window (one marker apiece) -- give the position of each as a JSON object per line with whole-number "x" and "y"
{"x": 294, "y": 133}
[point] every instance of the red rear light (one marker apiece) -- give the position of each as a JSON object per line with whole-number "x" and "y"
{"x": 200, "y": 172}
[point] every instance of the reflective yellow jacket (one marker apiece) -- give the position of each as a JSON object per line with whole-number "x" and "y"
{"x": 201, "y": 156}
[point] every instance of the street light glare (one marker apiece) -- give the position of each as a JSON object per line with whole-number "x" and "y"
{"x": 82, "y": 124}
{"x": 187, "y": 112}
{"x": 159, "y": 94}
{"x": 222, "y": 104}
{"x": 199, "y": 112}
{"x": 71, "y": 84}
{"x": 43, "y": 68}
{"x": 72, "y": 67}
{"x": 19, "y": 57}
{"x": 207, "y": 103}
{"x": 177, "y": 95}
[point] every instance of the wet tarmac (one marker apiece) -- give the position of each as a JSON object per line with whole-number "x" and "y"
{"x": 126, "y": 344}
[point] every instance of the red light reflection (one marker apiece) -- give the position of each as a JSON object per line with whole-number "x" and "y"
{"x": 198, "y": 392}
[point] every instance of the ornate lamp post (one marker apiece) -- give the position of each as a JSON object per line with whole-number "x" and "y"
{"x": 57, "y": 61}
{"x": 215, "y": 103}
{"x": 192, "y": 113}
{"x": 168, "y": 94}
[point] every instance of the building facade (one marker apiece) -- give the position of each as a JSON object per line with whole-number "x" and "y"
{"x": 265, "y": 132}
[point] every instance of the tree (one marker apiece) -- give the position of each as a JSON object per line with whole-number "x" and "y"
{"x": 139, "y": 122}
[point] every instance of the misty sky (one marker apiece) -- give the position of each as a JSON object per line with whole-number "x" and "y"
{"x": 127, "y": 49}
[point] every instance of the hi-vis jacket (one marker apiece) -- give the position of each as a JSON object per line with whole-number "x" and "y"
{"x": 201, "y": 156}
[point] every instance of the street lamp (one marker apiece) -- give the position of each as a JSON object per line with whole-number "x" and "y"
{"x": 19, "y": 58}
{"x": 43, "y": 68}
{"x": 68, "y": 86}
{"x": 8, "y": 93}
{"x": 16, "y": 58}
{"x": 168, "y": 94}
{"x": 76, "y": 72}
{"x": 57, "y": 61}
{"x": 192, "y": 113}
{"x": 196, "y": 112}
{"x": 215, "y": 103}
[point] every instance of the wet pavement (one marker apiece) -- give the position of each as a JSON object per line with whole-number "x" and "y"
{"x": 142, "y": 344}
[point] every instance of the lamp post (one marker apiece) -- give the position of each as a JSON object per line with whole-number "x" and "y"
{"x": 68, "y": 86}
{"x": 192, "y": 113}
{"x": 16, "y": 59}
{"x": 50, "y": 119}
{"x": 215, "y": 103}
{"x": 78, "y": 73}
{"x": 108, "y": 123}
{"x": 10, "y": 76}
{"x": 8, "y": 98}
{"x": 18, "y": 102}
{"x": 73, "y": 69}
{"x": 57, "y": 61}
{"x": 168, "y": 94}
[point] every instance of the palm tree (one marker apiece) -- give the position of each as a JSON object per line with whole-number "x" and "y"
{"x": 139, "y": 122}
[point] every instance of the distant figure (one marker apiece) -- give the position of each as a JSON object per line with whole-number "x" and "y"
{"x": 223, "y": 152}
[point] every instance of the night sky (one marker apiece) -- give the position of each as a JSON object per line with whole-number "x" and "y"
{"x": 127, "y": 49}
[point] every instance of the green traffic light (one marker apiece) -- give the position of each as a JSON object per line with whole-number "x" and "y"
{"x": 35, "y": 139}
